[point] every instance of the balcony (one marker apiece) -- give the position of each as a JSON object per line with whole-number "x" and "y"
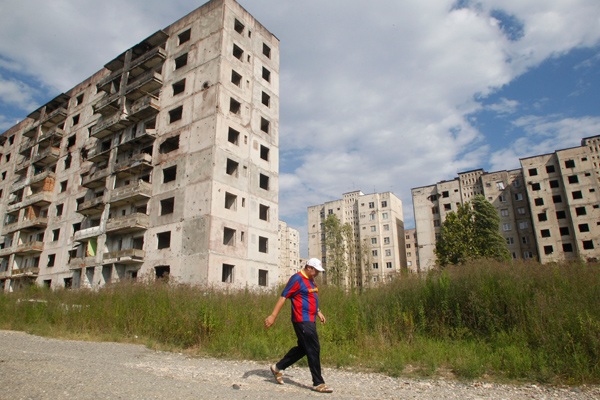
{"x": 26, "y": 146}
{"x": 19, "y": 184}
{"x": 144, "y": 84}
{"x": 4, "y": 274}
{"x": 54, "y": 135}
{"x": 7, "y": 251}
{"x": 87, "y": 233}
{"x": 144, "y": 107}
{"x": 42, "y": 178}
{"x": 132, "y": 193}
{"x": 82, "y": 262}
{"x": 108, "y": 105}
{"x": 146, "y": 137}
{"x": 108, "y": 125}
{"x": 129, "y": 256}
{"x": 95, "y": 178}
{"x": 99, "y": 155}
{"x": 38, "y": 199}
{"x": 28, "y": 224}
{"x": 31, "y": 132}
{"x": 25, "y": 272}
{"x": 147, "y": 61}
{"x": 127, "y": 223}
{"x": 55, "y": 117}
{"x": 47, "y": 157}
{"x": 30, "y": 247}
{"x": 22, "y": 166}
{"x": 91, "y": 207}
{"x": 135, "y": 165}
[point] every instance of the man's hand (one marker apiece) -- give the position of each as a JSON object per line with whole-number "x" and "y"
{"x": 269, "y": 321}
{"x": 321, "y": 317}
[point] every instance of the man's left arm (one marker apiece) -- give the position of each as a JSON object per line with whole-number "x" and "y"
{"x": 321, "y": 317}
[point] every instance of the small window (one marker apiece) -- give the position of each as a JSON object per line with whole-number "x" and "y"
{"x": 164, "y": 240}
{"x": 185, "y": 36}
{"x": 75, "y": 119}
{"x": 264, "y": 153}
{"x": 536, "y": 186}
{"x": 230, "y": 201}
{"x": 532, "y": 171}
{"x": 176, "y": 114}
{"x": 262, "y": 277}
{"x": 554, "y": 184}
{"x": 169, "y": 174}
{"x": 266, "y": 50}
{"x": 263, "y": 212}
{"x": 232, "y": 167}
{"x": 445, "y": 194}
{"x": 228, "y": 236}
{"x": 580, "y": 211}
{"x": 556, "y": 199}
{"x": 263, "y": 244}
{"x": 548, "y": 250}
{"x": 584, "y": 228}
{"x": 59, "y": 209}
{"x": 523, "y": 225}
{"x": 506, "y": 227}
{"x": 266, "y": 99}
{"x": 539, "y": 201}
{"x": 521, "y": 210}
{"x": 63, "y": 186}
{"x": 524, "y": 240}
{"x": 375, "y": 266}
{"x": 542, "y": 217}
{"x": 264, "y": 125}
{"x": 577, "y": 195}
{"x": 519, "y": 196}
{"x": 238, "y": 52}
{"x": 545, "y": 233}
{"x": 167, "y": 206}
{"x": 373, "y": 240}
{"x": 68, "y": 160}
{"x": 573, "y": 179}
{"x": 79, "y": 99}
{"x": 233, "y": 136}
{"x": 570, "y": 164}
{"x": 55, "y": 235}
{"x": 238, "y": 27}
{"x": 169, "y": 145}
{"x": 567, "y": 247}
{"x": 386, "y": 240}
{"x": 588, "y": 244}
{"x": 550, "y": 169}
{"x": 504, "y": 212}
{"x": 51, "y": 260}
{"x": 564, "y": 231}
{"x": 234, "y": 106}
{"x": 179, "y": 87}
{"x": 510, "y": 240}
{"x": 447, "y": 207}
{"x": 266, "y": 74}
{"x": 181, "y": 61}
{"x": 236, "y": 78}
{"x": 264, "y": 182}
{"x": 227, "y": 275}
{"x": 561, "y": 215}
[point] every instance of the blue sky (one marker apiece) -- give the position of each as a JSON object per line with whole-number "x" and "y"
{"x": 379, "y": 96}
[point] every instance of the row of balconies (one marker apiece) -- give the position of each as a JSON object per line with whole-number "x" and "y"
{"x": 129, "y": 256}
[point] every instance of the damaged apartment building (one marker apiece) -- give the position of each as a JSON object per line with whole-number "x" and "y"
{"x": 549, "y": 209}
{"x": 164, "y": 163}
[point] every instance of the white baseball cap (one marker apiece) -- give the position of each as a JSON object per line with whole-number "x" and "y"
{"x": 316, "y": 264}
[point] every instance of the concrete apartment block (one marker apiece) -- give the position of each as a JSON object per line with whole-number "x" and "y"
{"x": 412, "y": 250}
{"x": 377, "y": 222}
{"x": 165, "y": 162}
{"x": 549, "y": 209}
{"x": 289, "y": 252}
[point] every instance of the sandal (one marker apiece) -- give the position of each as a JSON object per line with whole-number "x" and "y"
{"x": 278, "y": 375}
{"x": 322, "y": 389}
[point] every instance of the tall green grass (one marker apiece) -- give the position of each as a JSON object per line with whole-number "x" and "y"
{"x": 515, "y": 321}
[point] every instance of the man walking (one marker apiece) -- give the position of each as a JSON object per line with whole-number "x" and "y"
{"x": 302, "y": 291}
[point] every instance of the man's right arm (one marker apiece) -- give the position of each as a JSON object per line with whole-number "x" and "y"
{"x": 271, "y": 318}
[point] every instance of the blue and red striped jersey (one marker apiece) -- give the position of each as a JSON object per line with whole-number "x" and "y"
{"x": 303, "y": 294}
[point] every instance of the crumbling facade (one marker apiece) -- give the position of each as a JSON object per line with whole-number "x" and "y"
{"x": 378, "y": 229}
{"x": 549, "y": 209}
{"x": 164, "y": 163}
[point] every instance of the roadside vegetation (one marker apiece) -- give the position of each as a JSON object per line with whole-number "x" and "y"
{"x": 489, "y": 320}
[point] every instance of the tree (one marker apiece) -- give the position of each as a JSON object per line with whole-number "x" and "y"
{"x": 471, "y": 233}
{"x": 335, "y": 247}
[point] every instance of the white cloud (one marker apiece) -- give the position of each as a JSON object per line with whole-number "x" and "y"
{"x": 18, "y": 94}
{"x": 504, "y": 106}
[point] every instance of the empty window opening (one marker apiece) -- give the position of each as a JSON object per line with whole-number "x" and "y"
{"x": 227, "y": 275}
{"x": 548, "y": 250}
{"x": 588, "y": 244}
{"x": 59, "y": 209}
{"x": 162, "y": 272}
{"x": 238, "y": 27}
{"x": 557, "y": 199}
{"x": 169, "y": 145}
{"x": 554, "y": 184}
{"x": 79, "y": 99}
{"x": 232, "y": 167}
{"x": 164, "y": 240}
{"x": 238, "y": 52}
{"x": 51, "y": 259}
{"x": 542, "y": 217}
{"x": 570, "y": 164}
{"x": 71, "y": 141}
{"x": 167, "y": 206}
{"x": 236, "y": 78}
{"x": 181, "y": 61}
{"x": 577, "y": 195}
{"x": 264, "y": 153}
{"x": 266, "y": 99}
{"x": 584, "y": 228}
{"x": 234, "y": 106}
{"x": 580, "y": 211}
{"x": 55, "y": 235}
{"x": 228, "y": 236}
{"x": 545, "y": 233}
{"x": 75, "y": 119}
{"x": 68, "y": 161}
{"x": 550, "y": 169}
{"x": 262, "y": 277}
{"x": 169, "y": 174}
{"x": 266, "y": 74}
{"x": 567, "y": 247}
{"x": 263, "y": 212}
{"x": 185, "y": 36}
{"x": 564, "y": 231}
{"x": 264, "y": 125}
{"x": 263, "y": 244}
{"x": 63, "y": 186}
{"x": 532, "y": 171}
{"x": 561, "y": 215}
{"x": 539, "y": 201}
{"x": 178, "y": 87}
{"x": 230, "y": 201}
{"x": 536, "y": 186}
{"x": 264, "y": 182}
{"x": 233, "y": 136}
{"x": 266, "y": 50}
{"x": 176, "y": 114}
{"x": 573, "y": 179}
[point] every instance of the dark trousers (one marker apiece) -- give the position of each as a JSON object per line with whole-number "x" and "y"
{"x": 308, "y": 345}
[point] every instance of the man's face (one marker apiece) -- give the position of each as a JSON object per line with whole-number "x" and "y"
{"x": 312, "y": 272}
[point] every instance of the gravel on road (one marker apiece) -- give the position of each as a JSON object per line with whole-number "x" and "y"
{"x": 33, "y": 367}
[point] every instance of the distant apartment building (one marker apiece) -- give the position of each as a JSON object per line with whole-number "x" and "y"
{"x": 378, "y": 228}
{"x": 164, "y": 163}
{"x": 412, "y": 250}
{"x": 549, "y": 209}
{"x": 289, "y": 251}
